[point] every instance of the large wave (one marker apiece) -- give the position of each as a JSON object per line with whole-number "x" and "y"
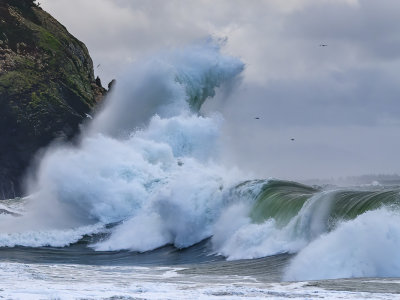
{"x": 335, "y": 233}
{"x": 365, "y": 247}
{"x": 147, "y": 172}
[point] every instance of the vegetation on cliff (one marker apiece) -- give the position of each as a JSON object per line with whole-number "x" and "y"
{"x": 47, "y": 87}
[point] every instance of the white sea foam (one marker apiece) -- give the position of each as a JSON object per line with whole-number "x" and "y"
{"x": 44, "y": 281}
{"x": 367, "y": 246}
{"x": 54, "y": 238}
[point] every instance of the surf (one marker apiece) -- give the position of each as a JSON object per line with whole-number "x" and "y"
{"x": 147, "y": 173}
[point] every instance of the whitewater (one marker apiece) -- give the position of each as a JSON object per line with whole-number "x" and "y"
{"x": 143, "y": 205}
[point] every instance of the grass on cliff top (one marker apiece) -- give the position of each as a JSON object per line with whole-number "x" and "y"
{"x": 48, "y": 42}
{"x": 16, "y": 82}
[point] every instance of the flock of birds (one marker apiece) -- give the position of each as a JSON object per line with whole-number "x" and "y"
{"x": 258, "y": 118}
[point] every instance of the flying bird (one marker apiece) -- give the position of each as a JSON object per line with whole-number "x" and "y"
{"x": 257, "y": 118}
{"x": 323, "y": 45}
{"x": 292, "y": 139}
{"x": 98, "y": 66}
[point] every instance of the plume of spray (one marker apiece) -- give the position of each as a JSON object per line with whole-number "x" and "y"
{"x": 148, "y": 161}
{"x": 171, "y": 84}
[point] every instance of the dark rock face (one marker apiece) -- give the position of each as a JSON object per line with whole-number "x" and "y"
{"x": 47, "y": 86}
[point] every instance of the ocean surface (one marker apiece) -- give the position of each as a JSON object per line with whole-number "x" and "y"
{"x": 142, "y": 206}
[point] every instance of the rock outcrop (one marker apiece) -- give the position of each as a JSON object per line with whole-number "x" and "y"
{"x": 47, "y": 86}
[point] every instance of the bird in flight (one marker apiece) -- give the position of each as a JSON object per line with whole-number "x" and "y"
{"x": 257, "y": 118}
{"x": 292, "y": 139}
{"x": 323, "y": 45}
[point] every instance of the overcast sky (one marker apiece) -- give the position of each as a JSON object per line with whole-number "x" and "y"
{"x": 340, "y": 103}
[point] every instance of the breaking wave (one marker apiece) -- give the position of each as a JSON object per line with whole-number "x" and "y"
{"x": 367, "y": 246}
{"x": 147, "y": 173}
{"x": 148, "y": 161}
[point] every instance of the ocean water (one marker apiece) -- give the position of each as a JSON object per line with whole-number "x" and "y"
{"x": 142, "y": 207}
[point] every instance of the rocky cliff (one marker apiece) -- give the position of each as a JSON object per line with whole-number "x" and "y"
{"x": 47, "y": 87}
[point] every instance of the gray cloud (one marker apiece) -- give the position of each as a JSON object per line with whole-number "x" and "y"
{"x": 340, "y": 101}
{"x": 369, "y": 28}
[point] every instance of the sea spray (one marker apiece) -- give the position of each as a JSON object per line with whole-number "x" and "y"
{"x": 170, "y": 84}
{"x": 148, "y": 161}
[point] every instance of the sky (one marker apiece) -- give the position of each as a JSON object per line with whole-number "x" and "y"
{"x": 340, "y": 103}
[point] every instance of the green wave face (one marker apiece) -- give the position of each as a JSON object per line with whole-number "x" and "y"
{"x": 284, "y": 200}
{"x": 348, "y": 205}
{"x": 281, "y": 200}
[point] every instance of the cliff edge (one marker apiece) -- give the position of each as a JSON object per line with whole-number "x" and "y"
{"x": 47, "y": 87}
